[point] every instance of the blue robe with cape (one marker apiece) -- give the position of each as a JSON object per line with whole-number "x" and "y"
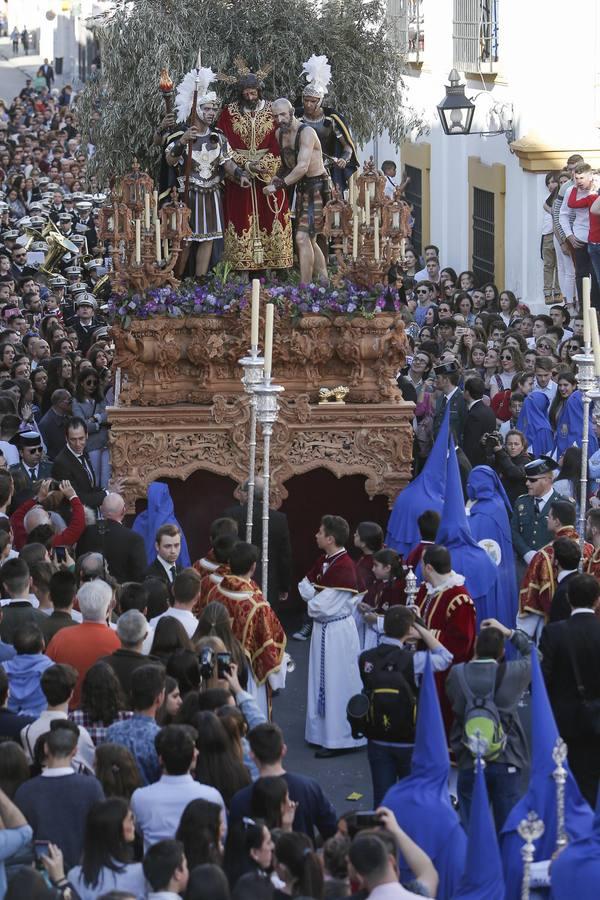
{"x": 421, "y": 802}
{"x": 426, "y": 491}
{"x": 468, "y": 558}
{"x": 569, "y": 426}
{"x": 489, "y": 518}
{"x": 483, "y": 878}
{"x": 160, "y": 511}
{"x": 541, "y": 793}
{"x": 576, "y": 871}
{"x": 533, "y": 421}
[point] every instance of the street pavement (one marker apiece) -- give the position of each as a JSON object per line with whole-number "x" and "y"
{"x": 14, "y": 70}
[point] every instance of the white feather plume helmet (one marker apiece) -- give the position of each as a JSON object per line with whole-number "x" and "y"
{"x": 199, "y": 79}
{"x": 318, "y": 76}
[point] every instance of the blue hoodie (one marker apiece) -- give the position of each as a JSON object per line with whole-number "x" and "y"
{"x": 25, "y": 695}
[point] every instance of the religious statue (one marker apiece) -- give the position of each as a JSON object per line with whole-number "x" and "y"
{"x": 303, "y": 169}
{"x": 201, "y": 157}
{"x": 339, "y": 153}
{"x": 258, "y": 233}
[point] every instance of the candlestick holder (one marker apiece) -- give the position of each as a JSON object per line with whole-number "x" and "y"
{"x": 559, "y": 754}
{"x": 411, "y": 589}
{"x": 530, "y": 829}
{"x": 586, "y": 382}
{"x": 146, "y": 241}
{"x": 253, "y": 366}
{"x": 267, "y": 410}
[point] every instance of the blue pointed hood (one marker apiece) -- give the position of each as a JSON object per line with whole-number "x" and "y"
{"x": 483, "y": 876}
{"x": 160, "y": 511}
{"x": 421, "y": 802}
{"x": 533, "y": 421}
{"x": 541, "y": 793}
{"x": 484, "y": 485}
{"x": 426, "y": 491}
{"x": 468, "y": 558}
{"x": 569, "y": 426}
{"x": 576, "y": 872}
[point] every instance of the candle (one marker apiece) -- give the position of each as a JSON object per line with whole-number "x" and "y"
{"x": 354, "y": 237}
{"x": 174, "y": 221}
{"x": 376, "y": 220}
{"x": 147, "y": 210}
{"x": 255, "y": 312}
{"x": 351, "y": 191}
{"x": 166, "y": 248}
{"x": 270, "y": 311}
{"x": 155, "y": 204}
{"x": 336, "y": 220}
{"x": 368, "y": 207}
{"x": 595, "y": 340}
{"x": 586, "y": 287}
{"x": 157, "y": 240}
{"x": 396, "y": 220}
{"x": 363, "y": 216}
{"x": 371, "y": 190}
{"x": 138, "y": 242}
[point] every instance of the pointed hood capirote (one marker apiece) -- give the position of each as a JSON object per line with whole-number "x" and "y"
{"x": 160, "y": 511}
{"x": 483, "y": 876}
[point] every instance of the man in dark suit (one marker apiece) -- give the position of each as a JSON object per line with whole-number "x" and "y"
{"x": 31, "y": 464}
{"x": 280, "y": 548}
{"x": 571, "y": 665}
{"x": 480, "y": 420}
{"x": 52, "y": 424}
{"x": 122, "y": 548}
{"x": 168, "y": 549}
{"x": 16, "y": 584}
{"x": 73, "y": 464}
{"x": 48, "y": 73}
{"x": 567, "y": 556}
{"x": 447, "y": 376}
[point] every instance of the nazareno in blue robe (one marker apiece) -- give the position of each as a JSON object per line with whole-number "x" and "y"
{"x": 533, "y": 421}
{"x": 576, "y": 871}
{"x": 569, "y": 426}
{"x": 160, "y": 511}
{"x": 421, "y": 801}
{"x": 489, "y": 518}
{"x": 483, "y": 878}
{"x": 426, "y": 491}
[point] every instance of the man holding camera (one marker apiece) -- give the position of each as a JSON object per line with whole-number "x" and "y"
{"x": 480, "y": 422}
{"x": 390, "y": 673}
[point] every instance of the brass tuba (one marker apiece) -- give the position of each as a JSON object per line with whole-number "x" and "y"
{"x": 59, "y": 246}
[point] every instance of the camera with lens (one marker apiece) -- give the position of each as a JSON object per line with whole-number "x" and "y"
{"x": 491, "y": 440}
{"x": 207, "y": 663}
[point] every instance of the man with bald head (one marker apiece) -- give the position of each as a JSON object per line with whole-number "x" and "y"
{"x": 303, "y": 169}
{"x": 122, "y": 548}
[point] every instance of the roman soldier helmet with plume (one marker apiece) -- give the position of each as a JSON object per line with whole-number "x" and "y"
{"x": 318, "y": 76}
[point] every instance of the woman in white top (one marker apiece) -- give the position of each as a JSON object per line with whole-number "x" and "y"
{"x": 105, "y": 866}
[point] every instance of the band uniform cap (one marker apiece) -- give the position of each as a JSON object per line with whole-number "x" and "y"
{"x": 448, "y": 368}
{"x": 11, "y": 235}
{"x": 58, "y": 281}
{"x": 540, "y": 466}
{"x": 27, "y": 439}
{"x": 85, "y": 300}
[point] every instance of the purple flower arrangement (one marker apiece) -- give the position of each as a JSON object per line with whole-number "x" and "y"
{"x": 218, "y": 298}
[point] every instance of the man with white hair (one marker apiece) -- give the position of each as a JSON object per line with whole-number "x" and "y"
{"x": 83, "y": 645}
{"x": 132, "y": 629}
{"x": 31, "y": 515}
{"x": 122, "y": 548}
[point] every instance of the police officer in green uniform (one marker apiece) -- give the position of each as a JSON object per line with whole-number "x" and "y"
{"x": 530, "y": 513}
{"x": 447, "y": 376}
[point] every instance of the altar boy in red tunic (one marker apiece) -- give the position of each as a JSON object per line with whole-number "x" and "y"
{"x": 329, "y": 589}
{"x": 449, "y": 613}
{"x": 254, "y": 624}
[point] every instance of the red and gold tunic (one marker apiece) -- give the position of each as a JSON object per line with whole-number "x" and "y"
{"x": 383, "y": 594}
{"x": 207, "y": 563}
{"x": 592, "y": 566}
{"x": 539, "y": 581}
{"x": 254, "y": 624}
{"x": 209, "y": 581}
{"x": 450, "y": 615}
{"x": 252, "y": 224}
{"x": 336, "y": 571}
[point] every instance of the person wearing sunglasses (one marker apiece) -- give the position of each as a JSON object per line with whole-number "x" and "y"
{"x": 31, "y": 457}
{"x": 529, "y": 523}
{"x": 426, "y": 294}
{"x": 89, "y": 404}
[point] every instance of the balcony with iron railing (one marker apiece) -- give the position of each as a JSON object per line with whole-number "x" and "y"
{"x": 406, "y": 28}
{"x": 475, "y": 33}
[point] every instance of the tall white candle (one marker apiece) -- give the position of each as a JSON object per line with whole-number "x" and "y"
{"x": 586, "y": 289}
{"x": 155, "y": 204}
{"x": 368, "y": 207}
{"x": 269, "y": 313}
{"x": 138, "y": 242}
{"x": 595, "y": 340}
{"x": 174, "y": 221}
{"x": 376, "y": 236}
{"x": 255, "y": 312}
{"x": 351, "y": 190}
{"x": 355, "y": 237}
{"x": 396, "y": 220}
{"x": 166, "y": 248}
{"x": 147, "y": 210}
{"x": 157, "y": 240}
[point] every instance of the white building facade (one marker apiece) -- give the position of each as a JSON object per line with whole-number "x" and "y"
{"x": 479, "y": 198}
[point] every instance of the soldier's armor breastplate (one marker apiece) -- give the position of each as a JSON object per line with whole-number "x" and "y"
{"x": 207, "y": 157}
{"x": 325, "y": 133}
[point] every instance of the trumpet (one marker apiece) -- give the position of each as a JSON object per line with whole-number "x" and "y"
{"x": 59, "y": 247}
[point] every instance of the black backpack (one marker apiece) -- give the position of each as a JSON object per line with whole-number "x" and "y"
{"x": 388, "y": 676}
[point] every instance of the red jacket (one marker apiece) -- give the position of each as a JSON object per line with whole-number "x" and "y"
{"x": 65, "y": 538}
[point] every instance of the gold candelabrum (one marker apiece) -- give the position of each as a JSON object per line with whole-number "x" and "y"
{"x": 368, "y": 231}
{"x": 145, "y": 240}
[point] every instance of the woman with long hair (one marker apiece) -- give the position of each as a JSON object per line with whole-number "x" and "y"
{"x": 215, "y": 622}
{"x": 298, "y": 866}
{"x": 89, "y": 404}
{"x": 492, "y": 297}
{"x": 463, "y": 304}
{"x": 14, "y": 768}
{"x": 102, "y": 701}
{"x": 169, "y": 636}
{"x": 217, "y": 763}
{"x": 466, "y": 281}
{"x": 476, "y": 358}
{"x": 566, "y": 384}
{"x": 568, "y": 480}
{"x": 491, "y": 365}
{"x": 248, "y": 848}
{"x": 271, "y": 802}
{"x": 60, "y": 375}
{"x": 106, "y": 861}
{"x": 511, "y": 362}
{"x": 171, "y": 704}
{"x": 202, "y": 832}
{"x": 117, "y": 771}
{"x": 507, "y": 307}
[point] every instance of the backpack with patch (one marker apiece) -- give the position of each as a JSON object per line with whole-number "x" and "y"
{"x": 483, "y": 730}
{"x": 389, "y": 680}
